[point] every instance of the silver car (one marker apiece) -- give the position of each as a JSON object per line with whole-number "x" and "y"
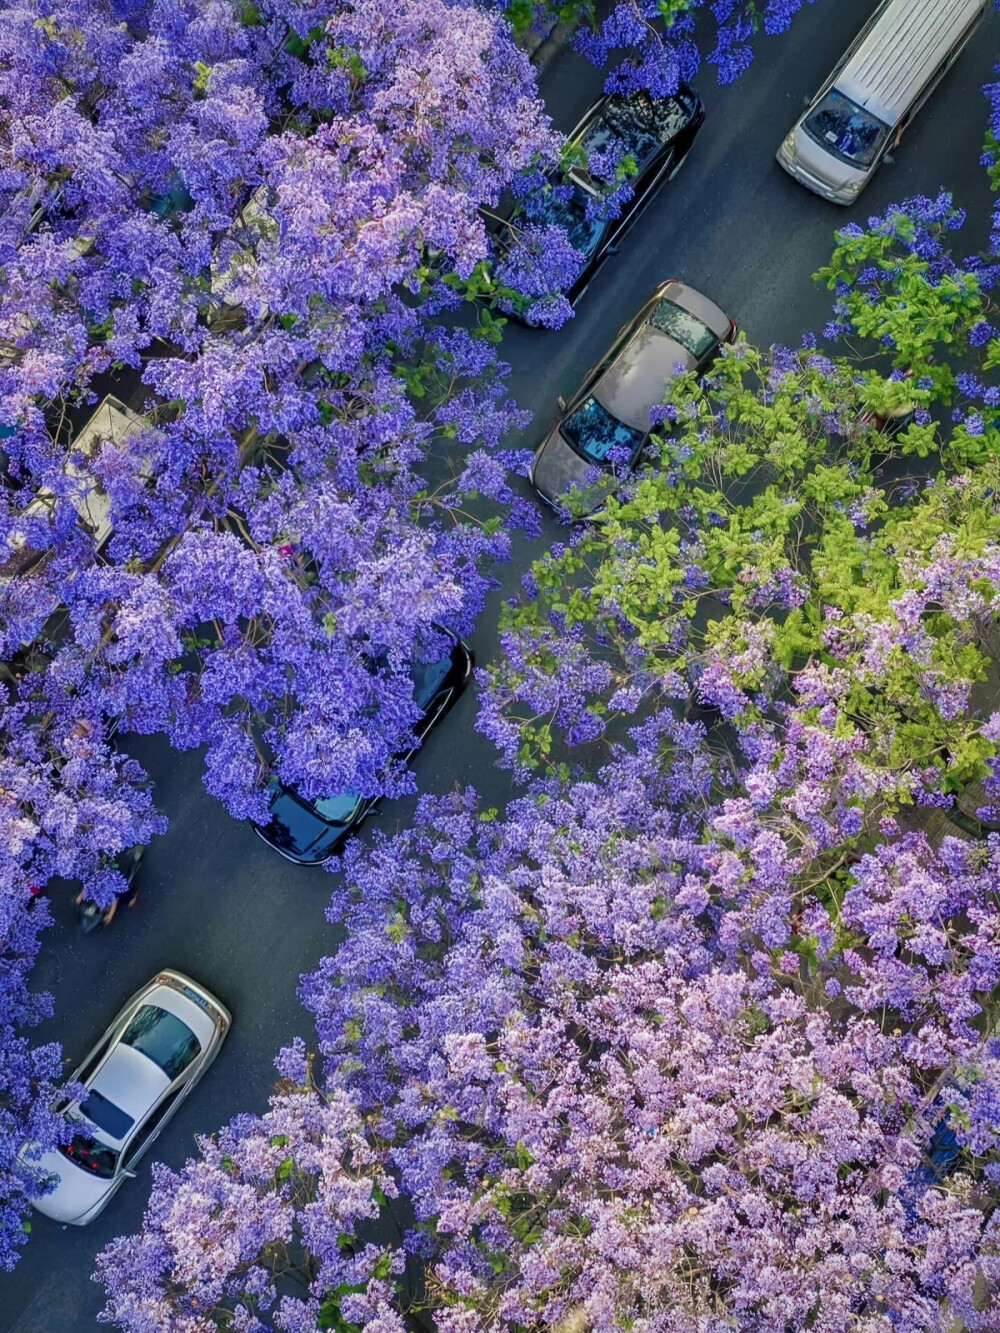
{"x": 136, "y": 1077}
{"x": 607, "y": 421}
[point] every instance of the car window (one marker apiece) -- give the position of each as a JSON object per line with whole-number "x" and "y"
{"x": 566, "y": 205}
{"x": 141, "y": 1140}
{"x": 594, "y": 432}
{"x": 640, "y": 123}
{"x": 846, "y": 130}
{"x": 338, "y": 809}
{"x": 90, "y": 1155}
{"x": 102, "y": 1112}
{"x": 428, "y": 677}
{"x": 162, "y": 1038}
{"x": 694, "y": 336}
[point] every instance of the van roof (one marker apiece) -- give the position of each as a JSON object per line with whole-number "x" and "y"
{"x": 901, "y": 51}
{"x": 112, "y": 421}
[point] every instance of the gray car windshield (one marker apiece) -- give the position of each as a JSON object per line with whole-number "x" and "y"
{"x": 694, "y": 336}
{"x": 162, "y": 1038}
{"x": 846, "y": 130}
{"x": 594, "y": 432}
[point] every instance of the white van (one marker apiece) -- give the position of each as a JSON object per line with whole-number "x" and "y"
{"x": 880, "y": 83}
{"x": 112, "y": 421}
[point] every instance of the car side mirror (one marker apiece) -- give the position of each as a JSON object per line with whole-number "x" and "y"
{"x": 611, "y": 250}
{"x": 129, "y": 1175}
{"x": 561, "y": 403}
{"x": 888, "y": 158}
{"x": 806, "y": 99}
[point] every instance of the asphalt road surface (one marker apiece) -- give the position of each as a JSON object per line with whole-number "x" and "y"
{"x": 214, "y": 900}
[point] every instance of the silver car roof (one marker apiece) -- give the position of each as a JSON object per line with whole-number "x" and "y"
{"x": 901, "y": 52}
{"x": 132, "y": 1081}
{"x": 637, "y": 379}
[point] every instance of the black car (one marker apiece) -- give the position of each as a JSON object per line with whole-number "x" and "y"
{"x": 311, "y": 832}
{"x": 656, "y": 132}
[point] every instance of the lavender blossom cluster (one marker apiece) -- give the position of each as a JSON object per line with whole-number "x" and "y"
{"x": 630, "y": 1054}
{"x": 240, "y": 218}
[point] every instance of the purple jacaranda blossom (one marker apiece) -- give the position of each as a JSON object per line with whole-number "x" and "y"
{"x": 29, "y": 1074}
{"x": 517, "y": 995}
{"x": 303, "y": 1179}
{"x": 235, "y": 218}
{"x": 240, "y": 219}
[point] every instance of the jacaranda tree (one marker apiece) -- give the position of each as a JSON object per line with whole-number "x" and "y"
{"x": 785, "y": 546}
{"x": 237, "y": 219}
{"x": 234, "y": 214}
{"x": 654, "y": 40}
{"x": 629, "y": 1054}
{"x": 29, "y": 1075}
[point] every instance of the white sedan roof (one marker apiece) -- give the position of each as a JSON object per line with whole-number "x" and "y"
{"x": 132, "y": 1081}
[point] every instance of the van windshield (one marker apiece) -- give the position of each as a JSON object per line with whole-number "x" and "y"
{"x": 846, "y": 130}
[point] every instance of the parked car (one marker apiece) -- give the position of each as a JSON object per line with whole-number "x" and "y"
{"x": 312, "y": 832}
{"x": 877, "y": 87}
{"x": 610, "y": 412}
{"x": 656, "y": 132}
{"x": 138, "y": 1074}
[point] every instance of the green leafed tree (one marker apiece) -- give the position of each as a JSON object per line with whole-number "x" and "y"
{"x": 800, "y": 517}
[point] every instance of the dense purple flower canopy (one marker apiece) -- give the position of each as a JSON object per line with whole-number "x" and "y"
{"x": 630, "y": 1055}
{"x": 706, "y": 1039}
{"x": 222, "y": 227}
{"x": 29, "y": 1075}
{"x": 218, "y": 211}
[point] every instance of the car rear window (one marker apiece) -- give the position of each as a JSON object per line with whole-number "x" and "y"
{"x": 90, "y": 1155}
{"x": 103, "y": 1113}
{"x": 846, "y": 130}
{"x": 685, "y": 328}
{"x": 162, "y": 1038}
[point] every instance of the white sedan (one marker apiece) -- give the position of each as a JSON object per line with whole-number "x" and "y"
{"x": 135, "y": 1078}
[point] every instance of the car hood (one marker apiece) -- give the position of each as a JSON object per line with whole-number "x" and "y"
{"x": 823, "y": 166}
{"x": 299, "y": 831}
{"x": 558, "y": 467}
{"x": 76, "y": 1190}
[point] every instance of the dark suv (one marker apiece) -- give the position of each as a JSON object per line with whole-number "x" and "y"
{"x": 655, "y": 132}
{"x": 312, "y": 832}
